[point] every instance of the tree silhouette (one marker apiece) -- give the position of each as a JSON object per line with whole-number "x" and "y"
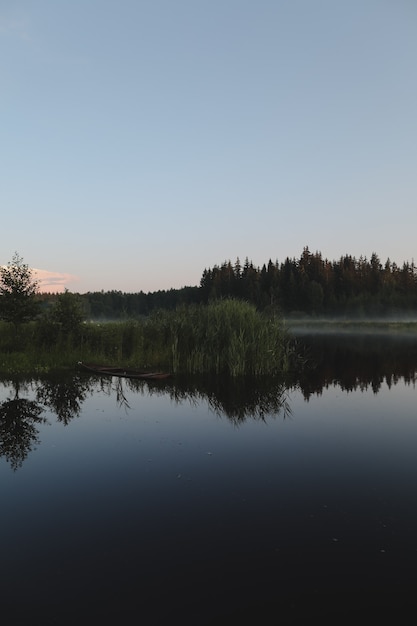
{"x": 18, "y": 289}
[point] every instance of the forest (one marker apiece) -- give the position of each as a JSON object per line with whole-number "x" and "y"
{"x": 308, "y": 286}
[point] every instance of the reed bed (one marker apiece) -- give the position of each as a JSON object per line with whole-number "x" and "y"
{"x": 225, "y": 337}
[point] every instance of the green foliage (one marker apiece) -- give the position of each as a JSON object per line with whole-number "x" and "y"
{"x": 226, "y": 337}
{"x": 67, "y": 312}
{"x": 18, "y": 289}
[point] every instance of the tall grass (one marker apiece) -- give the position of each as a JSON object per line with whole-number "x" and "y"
{"x": 224, "y": 337}
{"x": 227, "y": 337}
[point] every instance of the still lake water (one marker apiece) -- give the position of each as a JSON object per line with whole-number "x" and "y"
{"x": 126, "y": 503}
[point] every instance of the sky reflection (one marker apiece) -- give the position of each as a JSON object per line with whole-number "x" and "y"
{"x": 168, "y": 507}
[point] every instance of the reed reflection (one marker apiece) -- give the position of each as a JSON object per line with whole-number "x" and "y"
{"x": 237, "y": 399}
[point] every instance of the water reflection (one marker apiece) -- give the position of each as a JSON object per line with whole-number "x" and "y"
{"x": 239, "y": 399}
{"x": 118, "y": 386}
{"x": 19, "y": 418}
{"x": 353, "y": 362}
{"x": 299, "y": 519}
{"x": 63, "y": 396}
{"x": 356, "y": 361}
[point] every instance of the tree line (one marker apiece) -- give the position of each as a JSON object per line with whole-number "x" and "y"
{"x": 313, "y": 285}
{"x": 309, "y": 285}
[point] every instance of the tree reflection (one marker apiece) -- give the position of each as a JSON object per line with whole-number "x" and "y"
{"x": 20, "y": 417}
{"x": 63, "y": 395}
{"x": 18, "y": 432}
{"x": 357, "y": 362}
{"x": 350, "y": 362}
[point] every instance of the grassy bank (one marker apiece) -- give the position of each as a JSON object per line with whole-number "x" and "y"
{"x": 224, "y": 337}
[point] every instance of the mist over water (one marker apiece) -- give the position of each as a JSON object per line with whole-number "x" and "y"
{"x": 373, "y": 325}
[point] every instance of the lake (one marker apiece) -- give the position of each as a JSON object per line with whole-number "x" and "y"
{"x": 207, "y": 502}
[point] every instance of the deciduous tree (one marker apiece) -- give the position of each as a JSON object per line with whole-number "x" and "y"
{"x": 68, "y": 312}
{"x": 18, "y": 289}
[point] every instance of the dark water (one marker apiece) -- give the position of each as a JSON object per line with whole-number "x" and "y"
{"x": 209, "y": 503}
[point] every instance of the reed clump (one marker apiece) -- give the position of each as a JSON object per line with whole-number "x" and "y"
{"x": 227, "y": 337}
{"x": 223, "y": 337}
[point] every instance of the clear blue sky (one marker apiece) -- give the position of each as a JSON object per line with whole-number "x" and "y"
{"x": 145, "y": 140}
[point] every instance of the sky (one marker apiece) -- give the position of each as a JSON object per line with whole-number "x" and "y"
{"x": 143, "y": 141}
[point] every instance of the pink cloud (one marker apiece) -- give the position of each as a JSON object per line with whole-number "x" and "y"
{"x": 53, "y": 282}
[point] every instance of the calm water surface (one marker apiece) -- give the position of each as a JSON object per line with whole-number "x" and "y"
{"x": 177, "y": 505}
